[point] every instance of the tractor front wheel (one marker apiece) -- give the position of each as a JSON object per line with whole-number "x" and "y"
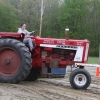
{"x": 80, "y": 79}
{"x": 15, "y": 61}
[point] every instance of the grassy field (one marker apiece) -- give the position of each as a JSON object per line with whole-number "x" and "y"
{"x": 93, "y": 60}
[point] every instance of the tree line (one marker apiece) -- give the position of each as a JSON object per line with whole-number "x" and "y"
{"x": 81, "y": 16}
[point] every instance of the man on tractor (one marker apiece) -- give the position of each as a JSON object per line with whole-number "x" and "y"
{"x": 28, "y": 41}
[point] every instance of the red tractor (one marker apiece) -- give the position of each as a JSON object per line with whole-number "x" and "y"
{"x": 17, "y": 63}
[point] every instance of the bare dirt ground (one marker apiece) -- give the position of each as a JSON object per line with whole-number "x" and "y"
{"x": 50, "y": 89}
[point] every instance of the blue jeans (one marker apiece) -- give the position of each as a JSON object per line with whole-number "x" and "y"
{"x": 29, "y": 41}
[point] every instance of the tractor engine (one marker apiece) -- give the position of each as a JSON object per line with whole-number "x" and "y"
{"x": 60, "y": 53}
{"x": 55, "y": 58}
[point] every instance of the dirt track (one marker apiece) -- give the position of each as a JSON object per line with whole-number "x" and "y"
{"x": 50, "y": 89}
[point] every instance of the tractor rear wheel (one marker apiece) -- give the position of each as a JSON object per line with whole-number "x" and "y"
{"x": 80, "y": 79}
{"x": 15, "y": 61}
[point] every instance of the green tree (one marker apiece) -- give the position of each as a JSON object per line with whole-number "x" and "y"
{"x": 15, "y": 2}
{"x": 93, "y": 26}
{"x": 73, "y": 13}
{"x": 8, "y": 18}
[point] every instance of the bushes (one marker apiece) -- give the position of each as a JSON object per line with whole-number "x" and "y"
{"x": 8, "y": 18}
{"x": 94, "y": 52}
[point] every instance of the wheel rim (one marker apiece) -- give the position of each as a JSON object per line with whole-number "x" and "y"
{"x": 9, "y": 61}
{"x": 80, "y": 79}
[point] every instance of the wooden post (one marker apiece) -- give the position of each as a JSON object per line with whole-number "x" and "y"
{"x": 41, "y": 18}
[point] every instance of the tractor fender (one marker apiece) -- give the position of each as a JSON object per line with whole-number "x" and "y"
{"x": 13, "y": 35}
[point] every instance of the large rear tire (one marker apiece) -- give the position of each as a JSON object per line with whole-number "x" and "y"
{"x": 15, "y": 61}
{"x": 80, "y": 79}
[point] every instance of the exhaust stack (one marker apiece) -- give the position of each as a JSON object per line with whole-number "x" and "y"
{"x": 67, "y": 33}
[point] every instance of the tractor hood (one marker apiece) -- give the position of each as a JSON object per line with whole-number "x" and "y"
{"x": 59, "y": 42}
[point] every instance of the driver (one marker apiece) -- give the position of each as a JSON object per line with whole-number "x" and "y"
{"x": 28, "y": 41}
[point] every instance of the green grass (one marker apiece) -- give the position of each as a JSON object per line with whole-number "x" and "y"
{"x": 93, "y": 60}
